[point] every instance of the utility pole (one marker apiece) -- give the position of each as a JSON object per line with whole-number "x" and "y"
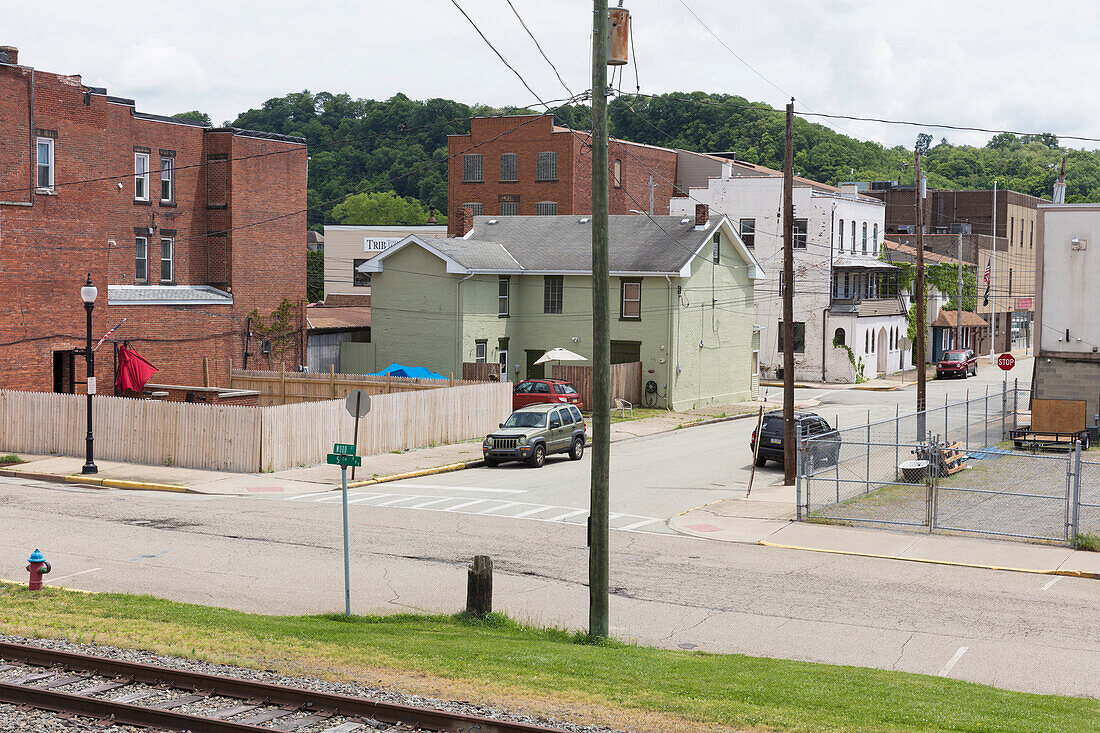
{"x": 993, "y": 288}
{"x": 789, "y": 436}
{"x": 922, "y": 326}
{"x": 599, "y": 510}
{"x": 959, "y": 294}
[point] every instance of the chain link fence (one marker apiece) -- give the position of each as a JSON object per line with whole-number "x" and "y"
{"x": 950, "y": 469}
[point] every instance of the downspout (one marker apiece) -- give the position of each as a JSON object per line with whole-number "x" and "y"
{"x": 672, "y": 311}
{"x": 824, "y": 311}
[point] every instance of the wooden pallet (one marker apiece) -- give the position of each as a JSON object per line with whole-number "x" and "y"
{"x": 952, "y": 460}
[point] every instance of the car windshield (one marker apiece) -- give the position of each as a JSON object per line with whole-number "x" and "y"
{"x": 564, "y": 389}
{"x": 773, "y": 424}
{"x": 526, "y": 420}
{"x": 955, "y": 356}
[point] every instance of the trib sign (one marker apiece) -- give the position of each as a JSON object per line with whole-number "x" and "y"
{"x": 1006, "y": 361}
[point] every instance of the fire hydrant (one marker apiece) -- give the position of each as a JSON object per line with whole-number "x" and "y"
{"x": 38, "y": 567}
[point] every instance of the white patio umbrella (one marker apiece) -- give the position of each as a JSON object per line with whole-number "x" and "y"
{"x": 559, "y": 354}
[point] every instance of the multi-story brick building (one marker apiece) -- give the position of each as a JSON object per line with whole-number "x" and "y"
{"x": 527, "y": 165}
{"x": 186, "y": 230}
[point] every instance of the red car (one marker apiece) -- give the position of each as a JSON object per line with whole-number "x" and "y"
{"x": 537, "y": 391}
{"x": 961, "y": 362}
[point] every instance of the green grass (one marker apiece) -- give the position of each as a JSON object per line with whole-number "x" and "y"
{"x": 546, "y": 670}
{"x": 11, "y": 460}
{"x": 1089, "y": 542}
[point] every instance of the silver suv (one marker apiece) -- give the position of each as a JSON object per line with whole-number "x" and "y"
{"x": 531, "y": 433}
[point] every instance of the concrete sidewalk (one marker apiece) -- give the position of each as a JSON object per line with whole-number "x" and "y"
{"x": 767, "y": 518}
{"x": 323, "y": 477}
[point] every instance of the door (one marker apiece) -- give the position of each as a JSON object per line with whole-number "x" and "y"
{"x": 534, "y": 371}
{"x": 626, "y": 352}
{"x": 504, "y": 375}
{"x": 883, "y": 349}
{"x": 559, "y": 430}
{"x": 63, "y": 378}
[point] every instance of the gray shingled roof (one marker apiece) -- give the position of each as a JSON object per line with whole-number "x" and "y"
{"x": 475, "y": 255}
{"x": 563, "y": 243}
{"x": 167, "y": 295}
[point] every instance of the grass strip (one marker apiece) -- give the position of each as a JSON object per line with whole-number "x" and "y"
{"x": 644, "y": 688}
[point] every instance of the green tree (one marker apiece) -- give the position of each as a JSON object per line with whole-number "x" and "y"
{"x": 315, "y": 275}
{"x": 924, "y": 143}
{"x": 380, "y": 208}
{"x": 194, "y": 115}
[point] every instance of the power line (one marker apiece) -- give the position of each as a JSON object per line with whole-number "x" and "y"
{"x": 538, "y": 46}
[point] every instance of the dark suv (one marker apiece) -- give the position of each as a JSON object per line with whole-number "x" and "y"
{"x": 822, "y": 446}
{"x": 534, "y": 432}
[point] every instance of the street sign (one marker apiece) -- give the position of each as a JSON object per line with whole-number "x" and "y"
{"x": 357, "y": 403}
{"x": 343, "y": 449}
{"x": 1006, "y": 361}
{"x": 337, "y": 459}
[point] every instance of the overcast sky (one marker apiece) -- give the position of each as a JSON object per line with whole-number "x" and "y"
{"x": 998, "y": 64}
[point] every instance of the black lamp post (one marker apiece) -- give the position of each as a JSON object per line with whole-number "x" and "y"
{"x": 88, "y": 294}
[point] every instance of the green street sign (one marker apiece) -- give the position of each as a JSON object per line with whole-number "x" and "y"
{"x": 343, "y": 449}
{"x": 337, "y": 459}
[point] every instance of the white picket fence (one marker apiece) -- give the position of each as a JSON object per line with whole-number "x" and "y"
{"x": 244, "y": 439}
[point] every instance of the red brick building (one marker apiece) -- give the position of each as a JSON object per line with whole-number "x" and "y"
{"x": 184, "y": 229}
{"x": 527, "y": 165}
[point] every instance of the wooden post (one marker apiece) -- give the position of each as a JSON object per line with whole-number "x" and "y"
{"x": 205, "y": 371}
{"x": 479, "y": 587}
{"x": 332, "y": 379}
{"x": 789, "y": 437}
{"x": 387, "y": 382}
{"x": 231, "y": 374}
{"x": 922, "y": 325}
{"x": 451, "y": 379}
{"x": 282, "y": 382}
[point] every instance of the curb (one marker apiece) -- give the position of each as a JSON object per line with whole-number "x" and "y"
{"x": 415, "y": 474}
{"x": 34, "y": 476}
{"x": 120, "y": 484}
{"x": 1033, "y": 571}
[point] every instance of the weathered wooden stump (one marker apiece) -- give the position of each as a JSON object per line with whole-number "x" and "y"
{"x": 479, "y": 587}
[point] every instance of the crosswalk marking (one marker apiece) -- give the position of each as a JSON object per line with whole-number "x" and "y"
{"x": 398, "y": 500}
{"x": 642, "y": 523}
{"x": 567, "y": 515}
{"x": 536, "y": 510}
{"x": 498, "y": 507}
{"x": 465, "y": 504}
{"x": 437, "y": 487}
{"x": 429, "y": 503}
{"x": 306, "y": 496}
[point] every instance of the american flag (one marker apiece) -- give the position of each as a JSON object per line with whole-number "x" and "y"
{"x": 108, "y": 334}
{"x": 987, "y": 273}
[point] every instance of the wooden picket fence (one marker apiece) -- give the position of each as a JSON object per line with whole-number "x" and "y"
{"x": 626, "y": 381}
{"x": 245, "y": 439}
{"x": 289, "y": 388}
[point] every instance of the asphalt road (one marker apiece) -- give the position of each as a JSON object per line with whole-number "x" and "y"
{"x": 1013, "y": 630}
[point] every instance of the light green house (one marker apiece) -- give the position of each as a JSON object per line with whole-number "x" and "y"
{"x": 516, "y": 286}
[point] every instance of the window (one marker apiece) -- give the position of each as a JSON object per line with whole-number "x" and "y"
{"x": 748, "y": 232}
{"x": 755, "y": 363}
{"x": 167, "y": 180}
{"x": 853, "y": 237}
{"x": 481, "y": 350}
{"x": 1011, "y": 229}
{"x": 866, "y": 342}
{"x": 44, "y": 155}
{"x": 509, "y": 205}
{"x": 576, "y": 414}
{"x": 1031, "y": 236}
{"x": 509, "y": 167}
{"x": 800, "y": 229}
{"x": 473, "y": 206}
{"x": 716, "y": 254}
{"x": 540, "y": 388}
{"x": 841, "y": 246}
{"x": 799, "y": 337}
{"x": 546, "y": 208}
{"x": 630, "y": 296}
{"x": 864, "y": 237}
{"x": 141, "y": 259}
{"x": 503, "y": 284}
{"x": 546, "y": 167}
{"x": 167, "y": 245}
{"x": 874, "y": 242}
{"x": 472, "y": 168}
{"x": 141, "y": 176}
{"x": 551, "y": 293}
{"x": 618, "y": 174}
{"x": 359, "y": 279}
{"x": 838, "y": 337}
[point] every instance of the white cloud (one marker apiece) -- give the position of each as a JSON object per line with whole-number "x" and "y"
{"x": 154, "y": 67}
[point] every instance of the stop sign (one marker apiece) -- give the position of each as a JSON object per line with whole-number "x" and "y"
{"x": 1006, "y": 361}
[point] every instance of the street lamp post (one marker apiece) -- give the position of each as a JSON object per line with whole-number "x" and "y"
{"x": 88, "y": 294}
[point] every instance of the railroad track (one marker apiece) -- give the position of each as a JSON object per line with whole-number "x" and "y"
{"x": 161, "y": 698}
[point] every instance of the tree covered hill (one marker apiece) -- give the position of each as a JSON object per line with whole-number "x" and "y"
{"x": 400, "y": 144}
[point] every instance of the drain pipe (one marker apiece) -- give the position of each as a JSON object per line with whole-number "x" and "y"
{"x": 672, "y": 311}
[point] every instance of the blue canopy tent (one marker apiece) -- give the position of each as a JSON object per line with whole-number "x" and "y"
{"x": 399, "y": 370}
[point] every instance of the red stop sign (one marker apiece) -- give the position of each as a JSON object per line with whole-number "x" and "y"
{"x": 1006, "y": 361}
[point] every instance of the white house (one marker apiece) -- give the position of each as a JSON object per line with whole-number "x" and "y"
{"x": 843, "y": 291}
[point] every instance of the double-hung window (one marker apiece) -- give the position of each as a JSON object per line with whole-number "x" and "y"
{"x": 841, "y": 229}
{"x": 141, "y": 176}
{"x": 551, "y": 293}
{"x": 748, "y": 232}
{"x": 481, "y": 351}
{"x": 631, "y": 300}
{"x": 864, "y": 237}
{"x": 359, "y": 279}
{"x": 509, "y": 167}
{"x": 44, "y": 157}
{"x": 141, "y": 259}
{"x": 874, "y": 241}
{"x": 799, "y": 337}
{"x": 800, "y": 229}
{"x": 617, "y": 174}
{"x": 167, "y": 180}
{"x": 546, "y": 208}
{"x": 503, "y": 295}
{"x": 546, "y": 166}
{"x": 167, "y": 250}
{"x": 472, "y": 168}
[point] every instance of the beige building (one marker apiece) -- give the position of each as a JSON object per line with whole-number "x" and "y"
{"x": 348, "y": 247}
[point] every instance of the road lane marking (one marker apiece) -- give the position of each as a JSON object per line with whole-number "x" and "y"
{"x": 398, "y": 500}
{"x": 642, "y": 523}
{"x": 464, "y": 504}
{"x": 1051, "y": 582}
{"x": 368, "y": 497}
{"x": 614, "y": 515}
{"x": 336, "y": 496}
{"x": 306, "y": 496}
{"x": 529, "y": 512}
{"x": 953, "y": 661}
{"x": 502, "y": 505}
{"x": 72, "y": 575}
{"x": 429, "y": 503}
{"x": 567, "y": 515}
{"x": 465, "y": 488}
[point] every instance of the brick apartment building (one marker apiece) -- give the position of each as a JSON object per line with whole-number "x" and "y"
{"x": 527, "y": 165}
{"x": 184, "y": 229}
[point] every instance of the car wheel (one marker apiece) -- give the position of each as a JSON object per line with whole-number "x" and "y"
{"x": 761, "y": 460}
{"x": 492, "y": 462}
{"x": 538, "y": 457}
{"x": 1085, "y": 442}
{"x": 577, "y": 451}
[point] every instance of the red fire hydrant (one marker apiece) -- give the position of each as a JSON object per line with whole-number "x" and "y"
{"x": 37, "y": 568}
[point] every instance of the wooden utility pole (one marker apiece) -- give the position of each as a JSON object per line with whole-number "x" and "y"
{"x": 959, "y": 294}
{"x": 599, "y": 509}
{"x": 918, "y": 194}
{"x": 789, "y": 437}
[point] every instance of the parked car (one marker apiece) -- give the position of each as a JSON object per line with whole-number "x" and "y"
{"x": 959, "y": 362}
{"x": 534, "y": 432}
{"x": 538, "y": 391}
{"x": 823, "y": 449}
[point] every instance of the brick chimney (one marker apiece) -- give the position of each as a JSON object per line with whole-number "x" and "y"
{"x": 463, "y": 221}
{"x": 9, "y": 55}
{"x": 702, "y": 214}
